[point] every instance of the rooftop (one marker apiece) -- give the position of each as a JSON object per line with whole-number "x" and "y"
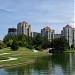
{"x": 67, "y": 26}
{"x": 47, "y": 28}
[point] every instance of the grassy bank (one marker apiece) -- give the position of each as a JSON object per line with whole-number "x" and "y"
{"x": 24, "y": 55}
{"x": 69, "y": 51}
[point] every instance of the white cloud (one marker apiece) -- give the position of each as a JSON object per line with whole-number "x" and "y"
{"x": 47, "y": 20}
{"x": 72, "y": 24}
{"x": 36, "y": 11}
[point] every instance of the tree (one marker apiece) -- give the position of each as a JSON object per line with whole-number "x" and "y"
{"x": 72, "y": 46}
{"x": 45, "y": 43}
{"x": 7, "y": 37}
{"x": 59, "y": 44}
{"x": 14, "y": 45}
{"x": 22, "y": 40}
{"x": 41, "y": 42}
{"x": 37, "y": 41}
{"x": 9, "y": 43}
{"x": 2, "y": 45}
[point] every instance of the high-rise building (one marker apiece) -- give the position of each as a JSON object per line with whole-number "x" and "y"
{"x": 74, "y": 37}
{"x": 12, "y": 31}
{"x": 23, "y": 28}
{"x": 48, "y": 32}
{"x": 69, "y": 33}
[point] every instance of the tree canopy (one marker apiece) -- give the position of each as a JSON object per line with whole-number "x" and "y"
{"x": 37, "y": 42}
{"x": 59, "y": 44}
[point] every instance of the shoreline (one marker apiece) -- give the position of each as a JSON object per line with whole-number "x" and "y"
{"x": 16, "y": 65}
{"x": 24, "y": 55}
{"x": 23, "y": 63}
{"x": 69, "y": 51}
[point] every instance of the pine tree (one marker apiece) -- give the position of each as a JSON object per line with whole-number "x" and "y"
{"x": 14, "y": 45}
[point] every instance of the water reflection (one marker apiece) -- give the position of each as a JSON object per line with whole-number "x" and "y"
{"x": 57, "y": 64}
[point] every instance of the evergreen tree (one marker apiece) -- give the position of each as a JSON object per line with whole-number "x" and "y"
{"x": 14, "y": 45}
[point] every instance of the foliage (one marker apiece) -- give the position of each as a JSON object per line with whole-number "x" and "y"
{"x": 72, "y": 46}
{"x": 38, "y": 42}
{"x": 14, "y": 45}
{"x": 59, "y": 44}
{"x": 22, "y": 40}
{"x": 2, "y": 45}
{"x": 41, "y": 42}
{"x": 30, "y": 46}
{"x": 7, "y": 37}
{"x": 45, "y": 43}
{"x": 9, "y": 43}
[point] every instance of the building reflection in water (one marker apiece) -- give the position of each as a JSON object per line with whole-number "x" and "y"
{"x": 57, "y": 64}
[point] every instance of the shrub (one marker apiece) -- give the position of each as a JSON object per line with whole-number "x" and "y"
{"x": 2, "y": 45}
{"x": 30, "y": 47}
{"x": 9, "y": 43}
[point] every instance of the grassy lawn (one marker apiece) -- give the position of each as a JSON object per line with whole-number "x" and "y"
{"x": 24, "y": 56}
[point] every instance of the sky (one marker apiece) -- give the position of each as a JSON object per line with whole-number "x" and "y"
{"x": 39, "y": 13}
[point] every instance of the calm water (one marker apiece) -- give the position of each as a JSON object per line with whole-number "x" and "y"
{"x": 57, "y": 64}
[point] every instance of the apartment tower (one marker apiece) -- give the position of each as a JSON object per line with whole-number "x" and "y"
{"x": 69, "y": 33}
{"x": 23, "y": 28}
{"x": 48, "y": 32}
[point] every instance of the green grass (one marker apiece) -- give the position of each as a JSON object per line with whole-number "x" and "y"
{"x": 24, "y": 56}
{"x": 3, "y": 58}
{"x": 69, "y": 51}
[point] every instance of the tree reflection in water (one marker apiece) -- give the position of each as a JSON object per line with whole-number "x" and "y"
{"x": 63, "y": 64}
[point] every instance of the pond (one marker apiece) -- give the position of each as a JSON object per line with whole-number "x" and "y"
{"x": 57, "y": 64}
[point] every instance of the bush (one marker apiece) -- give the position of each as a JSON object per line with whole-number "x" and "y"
{"x": 30, "y": 47}
{"x": 9, "y": 43}
{"x": 14, "y": 45}
{"x": 2, "y": 45}
{"x": 22, "y": 43}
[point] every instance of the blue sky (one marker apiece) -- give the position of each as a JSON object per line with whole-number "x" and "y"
{"x": 38, "y": 13}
